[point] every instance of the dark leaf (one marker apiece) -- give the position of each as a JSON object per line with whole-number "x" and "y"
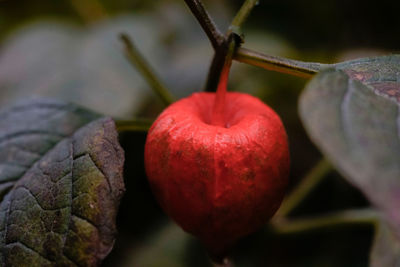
{"x": 61, "y": 178}
{"x": 352, "y": 115}
{"x": 382, "y": 74}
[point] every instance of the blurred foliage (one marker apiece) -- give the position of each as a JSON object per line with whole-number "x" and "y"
{"x": 90, "y": 60}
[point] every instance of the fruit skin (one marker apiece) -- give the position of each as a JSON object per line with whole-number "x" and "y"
{"x": 218, "y": 183}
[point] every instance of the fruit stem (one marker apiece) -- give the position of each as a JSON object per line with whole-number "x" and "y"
{"x": 137, "y": 60}
{"x": 218, "y": 117}
{"x": 244, "y": 55}
{"x": 218, "y": 112}
{"x": 312, "y": 179}
{"x": 366, "y": 216}
{"x": 136, "y": 125}
{"x": 279, "y": 64}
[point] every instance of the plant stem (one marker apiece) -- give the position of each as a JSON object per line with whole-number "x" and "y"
{"x": 244, "y": 55}
{"x": 215, "y": 70}
{"x": 218, "y": 114}
{"x": 242, "y": 15}
{"x": 142, "y": 66}
{"x": 89, "y": 10}
{"x": 342, "y": 218}
{"x": 312, "y": 179}
{"x": 214, "y": 35}
{"x": 219, "y": 60}
{"x": 138, "y": 125}
{"x": 279, "y": 64}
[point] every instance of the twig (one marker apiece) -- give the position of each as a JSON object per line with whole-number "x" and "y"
{"x": 221, "y": 51}
{"x": 138, "y": 125}
{"x": 242, "y": 15}
{"x": 289, "y": 66}
{"x": 214, "y": 35}
{"x": 307, "y": 184}
{"x": 140, "y": 63}
{"x": 342, "y": 218}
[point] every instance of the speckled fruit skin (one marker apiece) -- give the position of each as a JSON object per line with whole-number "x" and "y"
{"x": 218, "y": 183}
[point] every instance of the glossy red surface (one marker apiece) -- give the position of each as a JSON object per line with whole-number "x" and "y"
{"x": 218, "y": 183}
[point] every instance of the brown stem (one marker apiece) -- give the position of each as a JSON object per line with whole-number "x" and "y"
{"x": 214, "y": 35}
{"x": 219, "y": 60}
{"x": 218, "y": 115}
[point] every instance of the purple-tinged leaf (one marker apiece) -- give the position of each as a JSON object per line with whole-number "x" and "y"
{"x": 61, "y": 177}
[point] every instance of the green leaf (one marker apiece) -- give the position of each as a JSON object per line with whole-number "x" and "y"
{"x": 61, "y": 178}
{"x": 352, "y": 114}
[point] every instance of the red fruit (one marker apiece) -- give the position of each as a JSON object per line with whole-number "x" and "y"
{"x": 218, "y": 182}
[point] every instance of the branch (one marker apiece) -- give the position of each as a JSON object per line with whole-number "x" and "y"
{"x": 307, "y": 184}
{"x": 242, "y": 15}
{"x": 342, "y": 218}
{"x": 218, "y": 62}
{"x": 140, "y": 63}
{"x": 279, "y": 64}
{"x": 214, "y": 35}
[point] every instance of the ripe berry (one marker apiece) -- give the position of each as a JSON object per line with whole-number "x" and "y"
{"x": 218, "y": 167}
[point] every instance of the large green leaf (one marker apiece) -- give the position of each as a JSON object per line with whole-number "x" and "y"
{"x": 352, "y": 114}
{"x": 61, "y": 178}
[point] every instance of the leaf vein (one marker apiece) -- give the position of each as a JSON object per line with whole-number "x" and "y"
{"x": 98, "y": 167}
{"x": 25, "y": 246}
{"x": 71, "y": 152}
{"x": 37, "y": 201}
{"x": 344, "y": 110}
